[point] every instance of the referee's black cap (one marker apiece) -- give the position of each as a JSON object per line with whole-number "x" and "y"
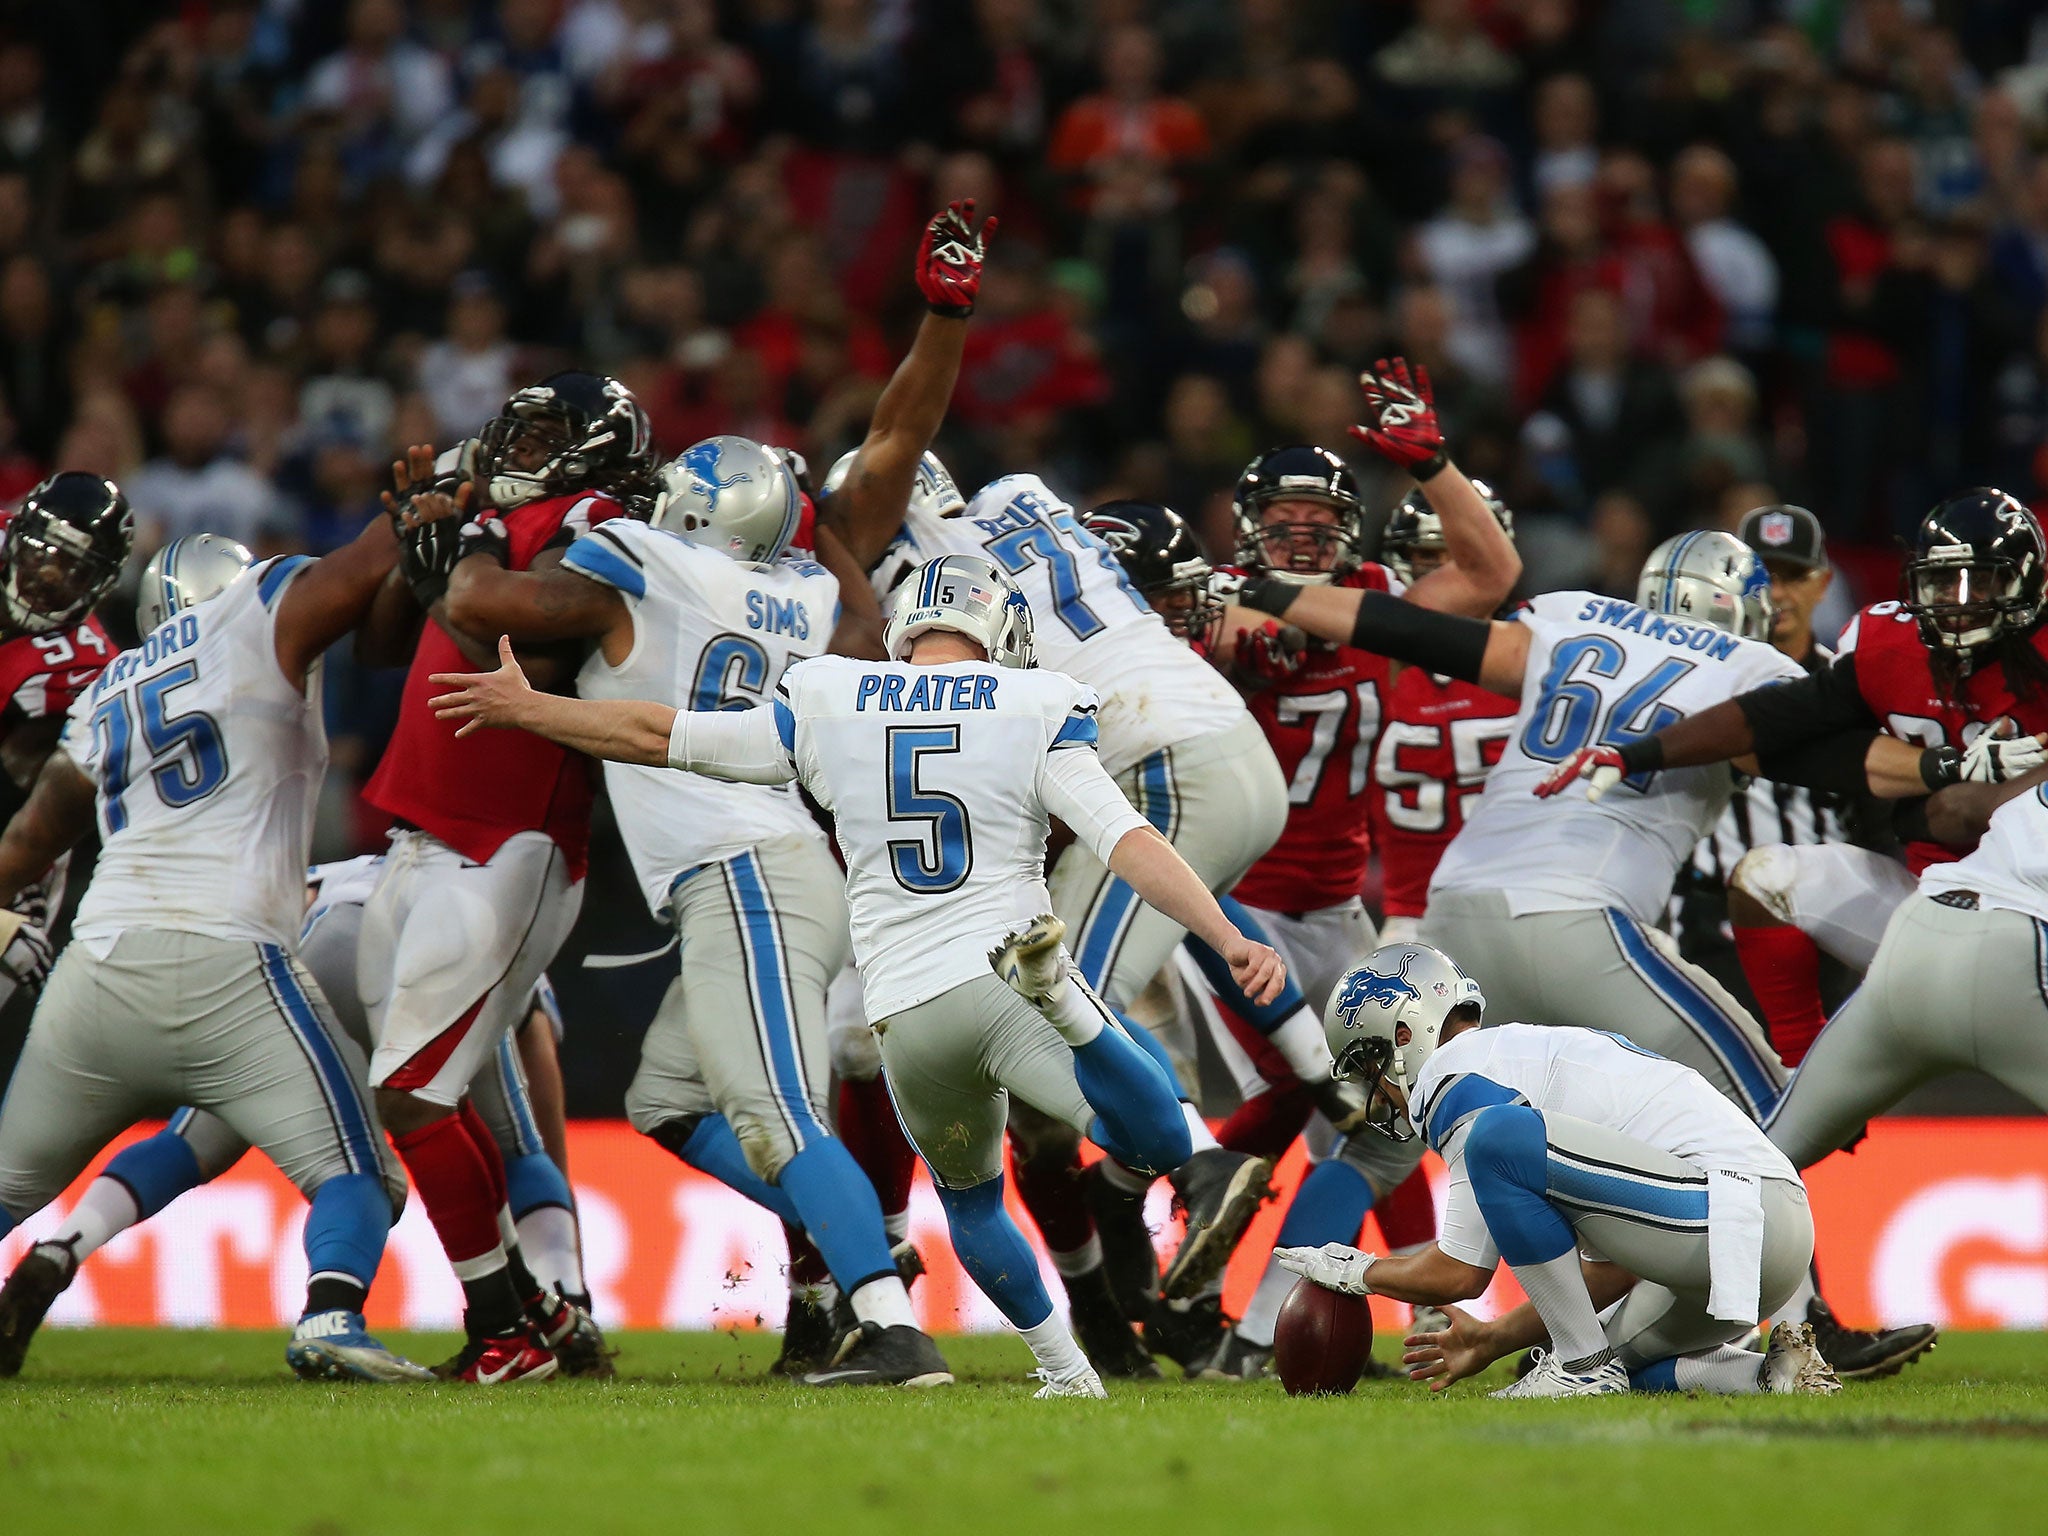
{"x": 1786, "y": 535}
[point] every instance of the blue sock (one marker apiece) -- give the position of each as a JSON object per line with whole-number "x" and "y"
{"x": 1264, "y": 1017}
{"x": 995, "y": 1254}
{"x": 158, "y": 1170}
{"x": 1507, "y": 1159}
{"x": 1329, "y": 1207}
{"x": 345, "y": 1229}
{"x": 533, "y": 1180}
{"x": 1657, "y": 1376}
{"x": 1139, "y": 1118}
{"x": 840, "y": 1212}
{"x": 713, "y": 1149}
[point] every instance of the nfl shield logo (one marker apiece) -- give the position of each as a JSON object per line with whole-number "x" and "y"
{"x": 1775, "y": 527}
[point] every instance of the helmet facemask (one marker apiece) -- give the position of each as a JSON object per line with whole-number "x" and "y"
{"x": 1965, "y": 602}
{"x": 1311, "y": 550}
{"x": 54, "y": 574}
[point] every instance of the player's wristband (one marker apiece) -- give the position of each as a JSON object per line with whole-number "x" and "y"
{"x": 1271, "y": 595}
{"x": 949, "y": 311}
{"x": 1645, "y": 755}
{"x": 1444, "y": 643}
{"x": 1941, "y": 767}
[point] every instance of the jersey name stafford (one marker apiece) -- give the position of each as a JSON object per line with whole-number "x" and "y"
{"x": 708, "y": 634}
{"x": 1618, "y": 614}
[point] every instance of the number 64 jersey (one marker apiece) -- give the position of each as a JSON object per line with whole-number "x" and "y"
{"x": 208, "y": 764}
{"x": 1603, "y": 671}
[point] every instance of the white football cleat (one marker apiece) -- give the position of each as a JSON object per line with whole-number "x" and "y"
{"x": 1083, "y": 1383}
{"x": 1429, "y": 1319}
{"x": 1549, "y": 1378}
{"x": 1793, "y": 1363}
{"x": 1029, "y": 961}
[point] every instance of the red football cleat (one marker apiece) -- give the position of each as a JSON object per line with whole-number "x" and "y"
{"x": 495, "y": 1361}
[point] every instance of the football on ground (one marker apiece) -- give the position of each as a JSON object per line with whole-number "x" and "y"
{"x": 1321, "y": 1341}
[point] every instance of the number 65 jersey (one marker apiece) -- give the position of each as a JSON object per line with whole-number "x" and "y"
{"x": 208, "y": 764}
{"x": 1603, "y": 671}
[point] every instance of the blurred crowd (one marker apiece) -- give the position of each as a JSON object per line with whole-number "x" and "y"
{"x": 1665, "y": 259}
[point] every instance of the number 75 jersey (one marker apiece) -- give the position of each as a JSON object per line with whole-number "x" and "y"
{"x": 208, "y": 765}
{"x": 1603, "y": 671}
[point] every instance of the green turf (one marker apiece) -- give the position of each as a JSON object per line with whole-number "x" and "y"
{"x": 165, "y": 1432}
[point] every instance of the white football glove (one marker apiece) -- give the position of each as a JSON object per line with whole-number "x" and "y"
{"x": 1333, "y": 1266}
{"x": 1993, "y": 758}
{"x": 26, "y": 953}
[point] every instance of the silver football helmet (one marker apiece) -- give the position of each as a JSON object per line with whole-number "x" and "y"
{"x": 933, "y": 492}
{"x": 1397, "y": 986}
{"x": 186, "y": 572}
{"x": 969, "y": 596}
{"x": 732, "y": 495}
{"x": 1711, "y": 578}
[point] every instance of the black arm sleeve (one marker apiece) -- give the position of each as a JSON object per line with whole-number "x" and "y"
{"x": 1806, "y": 710}
{"x": 1834, "y": 762}
{"x": 1444, "y": 643}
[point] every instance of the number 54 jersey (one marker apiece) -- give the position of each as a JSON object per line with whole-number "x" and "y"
{"x": 709, "y": 633}
{"x": 208, "y": 764}
{"x": 1603, "y": 671}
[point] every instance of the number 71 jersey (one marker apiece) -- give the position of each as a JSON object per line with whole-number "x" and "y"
{"x": 208, "y": 764}
{"x": 1603, "y": 671}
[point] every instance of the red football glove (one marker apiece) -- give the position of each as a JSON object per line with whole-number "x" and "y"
{"x": 949, "y": 260}
{"x": 1272, "y": 653}
{"x": 1403, "y": 426}
{"x": 1601, "y": 766}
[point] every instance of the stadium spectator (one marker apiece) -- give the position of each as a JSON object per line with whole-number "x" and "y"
{"x": 195, "y": 487}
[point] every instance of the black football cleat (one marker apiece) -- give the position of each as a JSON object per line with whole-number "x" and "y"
{"x": 571, "y": 1334}
{"x": 1189, "y": 1334}
{"x": 885, "y": 1357}
{"x": 1237, "y": 1359}
{"x": 1866, "y": 1354}
{"x": 909, "y": 1262}
{"x": 1107, "y": 1338}
{"x": 1219, "y": 1191}
{"x": 1127, "y": 1251}
{"x": 810, "y": 1338}
{"x": 37, "y": 1281}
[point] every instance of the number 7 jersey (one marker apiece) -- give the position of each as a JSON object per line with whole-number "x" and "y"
{"x": 1603, "y": 671}
{"x": 208, "y": 765}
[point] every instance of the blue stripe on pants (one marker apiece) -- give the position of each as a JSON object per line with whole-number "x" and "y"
{"x": 512, "y": 1082}
{"x": 774, "y": 1010}
{"x": 1723, "y": 1036}
{"x": 343, "y": 1093}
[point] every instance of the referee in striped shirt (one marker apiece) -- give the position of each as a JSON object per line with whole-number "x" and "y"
{"x": 1794, "y": 551}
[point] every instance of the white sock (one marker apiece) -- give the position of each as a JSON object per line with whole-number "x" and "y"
{"x": 1558, "y": 1291}
{"x": 897, "y": 1225}
{"x": 508, "y": 1229}
{"x": 547, "y": 1239}
{"x": 1262, "y": 1313}
{"x": 1300, "y": 1039}
{"x": 1053, "y": 1346}
{"x": 1076, "y": 1012}
{"x": 1198, "y": 1128}
{"x": 1078, "y": 1261}
{"x": 105, "y": 1210}
{"x": 1730, "y": 1371}
{"x": 1129, "y": 1180}
{"x": 884, "y": 1301}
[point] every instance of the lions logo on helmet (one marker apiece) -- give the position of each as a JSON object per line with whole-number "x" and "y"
{"x": 730, "y": 494}
{"x": 700, "y": 464}
{"x": 1399, "y": 988}
{"x": 1711, "y": 578}
{"x": 1366, "y": 985}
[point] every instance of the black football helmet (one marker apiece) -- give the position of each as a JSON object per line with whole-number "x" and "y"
{"x": 65, "y": 550}
{"x": 1306, "y": 551}
{"x": 1158, "y": 552}
{"x": 1977, "y": 573}
{"x": 1414, "y": 528}
{"x": 571, "y": 432}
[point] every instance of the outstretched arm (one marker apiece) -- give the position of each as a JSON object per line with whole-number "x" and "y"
{"x": 1428, "y": 1277}
{"x": 1487, "y": 652}
{"x": 332, "y": 597}
{"x": 867, "y": 508}
{"x": 1402, "y": 428}
{"x": 57, "y": 814}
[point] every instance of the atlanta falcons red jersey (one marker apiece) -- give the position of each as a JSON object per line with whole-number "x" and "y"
{"x": 475, "y": 792}
{"x": 1895, "y": 675}
{"x": 40, "y": 675}
{"x": 1321, "y": 717}
{"x": 1440, "y": 739}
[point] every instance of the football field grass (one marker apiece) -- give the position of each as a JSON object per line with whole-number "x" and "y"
{"x": 167, "y": 1431}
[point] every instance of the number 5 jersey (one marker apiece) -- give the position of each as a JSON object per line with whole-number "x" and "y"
{"x": 208, "y": 764}
{"x": 1603, "y": 671}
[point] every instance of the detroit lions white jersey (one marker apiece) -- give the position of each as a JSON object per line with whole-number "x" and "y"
{"x": 708, "y": 633}
{"x": 2008, "y": 869}
{"x": 939, "y": 781}
{"x": 1602, "y": 670}
{"x": 208, "y": 764}
{"x": 1091, "y": 623}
